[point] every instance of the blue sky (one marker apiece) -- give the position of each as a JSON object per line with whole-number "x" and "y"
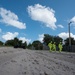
{"x": 29, "y": 20}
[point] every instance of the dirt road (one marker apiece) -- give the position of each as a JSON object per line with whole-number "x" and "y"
{"x": 33, "y": 62}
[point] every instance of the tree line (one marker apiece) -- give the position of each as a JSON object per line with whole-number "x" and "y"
{"x": 37, "y": 44}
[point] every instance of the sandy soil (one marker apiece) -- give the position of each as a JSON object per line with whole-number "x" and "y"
{"x": 33, "y": 62}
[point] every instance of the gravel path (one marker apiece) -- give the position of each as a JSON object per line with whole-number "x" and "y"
{"x": 33, "y": 62}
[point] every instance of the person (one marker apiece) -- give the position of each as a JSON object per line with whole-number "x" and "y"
{"x": 50, "y": 46}
{"x": 60, "y": 47}
{"x": 54, "y": 46}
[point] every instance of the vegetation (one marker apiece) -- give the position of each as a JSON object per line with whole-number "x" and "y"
{"x": 29, "y": 46}
{"x": 67, "y": 41}
{"x": 37, "y": 45}
{"x": 16, "y": 43}
{"x": 1, "y": 43}
{"x": 48, "y": 38}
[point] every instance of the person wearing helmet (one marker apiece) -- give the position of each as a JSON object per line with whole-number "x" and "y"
{"x": 60, "y": 47}
{"x": 50, "y": 46}
{"x": 54, "y": 46}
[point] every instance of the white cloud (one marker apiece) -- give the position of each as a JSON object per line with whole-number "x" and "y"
{"x": 9, "y": 35}
{"x": 11, "y": 18}
{"x": 65, "y": 35}
{"x": 43, "y": 14}
{"x": 73, "y": 19}
{"x": 24, "y": 39}
{"x": 41, "y": 36}
{"x": 61, "y": 26}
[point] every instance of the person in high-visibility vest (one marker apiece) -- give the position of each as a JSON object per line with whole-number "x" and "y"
{"x": 60, "y": 47}
{"x": 54, "y": 46}
{"x": 50, "y": 46}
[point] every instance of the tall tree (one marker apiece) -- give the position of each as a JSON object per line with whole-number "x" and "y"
{"x": 16, "y": 41}
{"x": 47, "y": 38}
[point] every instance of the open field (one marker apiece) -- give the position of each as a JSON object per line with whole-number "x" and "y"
{"x": 32, "y": 62}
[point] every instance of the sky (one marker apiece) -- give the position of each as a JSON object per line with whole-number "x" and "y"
{"x": 29, "y": 20}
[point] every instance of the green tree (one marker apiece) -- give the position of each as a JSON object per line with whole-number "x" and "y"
{"x": 13, "y": 42}
{"x": 67, "y": 41}
{"x": 47, "y": 38}
{"x": 16, "y": 41}
{"x": 24, "y": 44}
{"x": 19, "y": 42}
{"x": 29, "y": 46}
{"x": 57, "y": 40}
{"x": 9, "y": 43}
{"x": 38, "y": 45}
{"x": 1, "y": 43}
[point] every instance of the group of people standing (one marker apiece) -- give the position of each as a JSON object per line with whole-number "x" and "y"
{"x": 52, "y": 46}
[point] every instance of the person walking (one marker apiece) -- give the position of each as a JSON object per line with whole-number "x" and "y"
{"x": 54, "y": 46}
{"x": 60, "y": 47}
{"x": 50, "y": 46}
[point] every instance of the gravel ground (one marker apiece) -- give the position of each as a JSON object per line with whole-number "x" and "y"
{"x": 33, "y": 62}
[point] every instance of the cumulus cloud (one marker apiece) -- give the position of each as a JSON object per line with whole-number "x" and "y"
{"x": 24, "y": 39}
{"x": 65, "y": 35}
{"x": 9, "y": 36}
{"x": 43, "y": 14}
{"x": 60, "y": 26}
{"x": 73, "y": 19}
{"x": 10, "y": 18}
{"x": 41, "y": 36}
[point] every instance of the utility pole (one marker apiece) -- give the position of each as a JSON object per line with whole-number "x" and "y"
{"x": 69, "y": 36}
